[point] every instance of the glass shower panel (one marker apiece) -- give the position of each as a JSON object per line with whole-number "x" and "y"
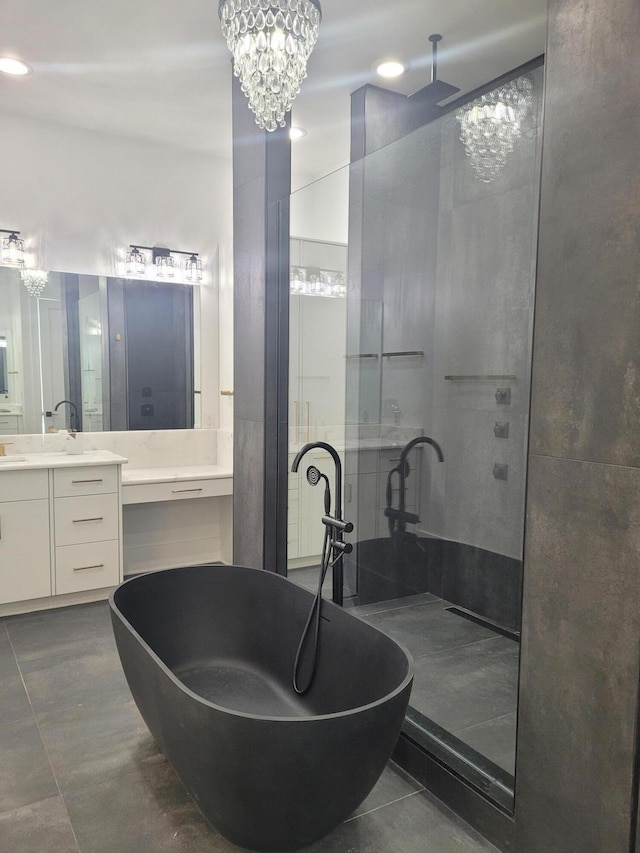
{"x": 317, "y": 358}
{"x": 437, "y": 461}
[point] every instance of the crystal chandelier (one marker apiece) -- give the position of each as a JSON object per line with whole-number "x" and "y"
{"x": 35, "y": 281}
{"x": 491, "y": 124}
{"x": 270, "y": 41}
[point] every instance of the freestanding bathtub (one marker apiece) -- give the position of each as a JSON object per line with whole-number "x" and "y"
{"x": 208, "y": 653}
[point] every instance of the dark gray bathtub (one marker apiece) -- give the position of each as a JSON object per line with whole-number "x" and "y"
{"x": 208, "y": 653}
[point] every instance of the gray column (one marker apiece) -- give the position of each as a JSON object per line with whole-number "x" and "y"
{"x": 581, "y": 625}
{"x": 261, "y": 187}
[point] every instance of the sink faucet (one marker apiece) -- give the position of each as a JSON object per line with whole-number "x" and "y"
{"x": 336, "y": 522}
{"x": 73, "y": 415}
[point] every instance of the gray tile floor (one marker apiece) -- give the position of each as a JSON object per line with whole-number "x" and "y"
{"x": 466, "y": 676}
{"x": 80, "y": 773}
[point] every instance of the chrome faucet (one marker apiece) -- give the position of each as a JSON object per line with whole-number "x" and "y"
{"x": 73, "y": 414}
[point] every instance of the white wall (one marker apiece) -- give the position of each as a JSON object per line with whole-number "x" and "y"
{"x": 320, "y": 211}
{"x": 80, "y": 198}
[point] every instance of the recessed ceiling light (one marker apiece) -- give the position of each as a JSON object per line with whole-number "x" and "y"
{"x": 9, "y": 65}
{"x": 390, "y": 68}
{"x": 296, "y": 133}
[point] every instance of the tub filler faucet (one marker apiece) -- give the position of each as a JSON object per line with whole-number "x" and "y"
{"x": 333, "y": 550}
{"x": 336, "y": 525}
{"x": 399, "y": 517}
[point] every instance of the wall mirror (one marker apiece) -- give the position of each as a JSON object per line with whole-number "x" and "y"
{"x": 97, "y": 353}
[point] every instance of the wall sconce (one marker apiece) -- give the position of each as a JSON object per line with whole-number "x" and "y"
{"x": 12, "y": 249}
{"x": 164, "y": 263}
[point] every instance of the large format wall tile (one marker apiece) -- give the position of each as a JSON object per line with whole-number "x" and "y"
{"x": 586, "y": 386}
{"x": 579, "y": 668}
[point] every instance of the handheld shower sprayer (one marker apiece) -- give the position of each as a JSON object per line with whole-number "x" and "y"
{"x": 333, "y": 550}
{"x": 313, "y": 478}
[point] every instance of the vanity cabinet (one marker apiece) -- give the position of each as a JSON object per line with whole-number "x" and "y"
{"x": 60, "y": 530}
{"x": 9, "y": 424}
{"x": 25, "y": 547}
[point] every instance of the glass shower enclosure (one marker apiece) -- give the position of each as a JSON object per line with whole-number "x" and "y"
{"x": 430, "y": 346}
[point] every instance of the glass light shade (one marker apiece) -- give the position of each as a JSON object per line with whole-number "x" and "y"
{"x": 165, "y": 266}
{"x": 296, "y": 281}
{"x": 339, "y": 289}
{"x": 270, "y": 41}
{"x": 35, "y": 281}
{"x": 135, "y": 263}
{"x": 193, "y": 268}
{"x": 12, "y": 251}
{"x": 491, "y": 125}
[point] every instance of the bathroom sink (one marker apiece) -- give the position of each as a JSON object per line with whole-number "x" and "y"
{"x": 12, "y": 459}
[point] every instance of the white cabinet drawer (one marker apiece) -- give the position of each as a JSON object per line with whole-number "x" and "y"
{"x": 91, "y": 566}
{"x": 26, "y": 485}
{"x": 136, "y": 493}
{"x": 92, "y": 518}
{"x": 85, "y": 480}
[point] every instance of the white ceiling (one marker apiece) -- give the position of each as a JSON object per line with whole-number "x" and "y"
{"x": 159, "y": 70}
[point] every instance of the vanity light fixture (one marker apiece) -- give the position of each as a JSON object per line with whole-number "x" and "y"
{"x": 15, "y": 67}
{"x": 12, "y": 249}
{"x": 270, "y": 41}
{"x": 135, "y": 262}
{"x": 390, "y": 68}
{"x": 164, "y": 263}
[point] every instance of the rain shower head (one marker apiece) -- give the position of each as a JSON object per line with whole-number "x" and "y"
{"x": 436, "y": 90}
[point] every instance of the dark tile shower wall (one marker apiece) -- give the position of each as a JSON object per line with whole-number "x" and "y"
{"x": 577, "y": 732}
{"x": 451, "y": 262}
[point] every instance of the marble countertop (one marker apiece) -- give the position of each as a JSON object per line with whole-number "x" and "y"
{"x": 174, "y": 474}
{"x": 26, "y": 461}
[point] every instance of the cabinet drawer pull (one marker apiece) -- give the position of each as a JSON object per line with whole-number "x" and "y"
{"x": 179, "y": 491}
{"x": 84, "y": 568}
{"x": 81, "y": 520}
{"x": 76, "y": 482}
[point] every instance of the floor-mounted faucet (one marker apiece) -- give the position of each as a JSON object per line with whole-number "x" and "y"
{"x": 398, "y": 518}
{"x": 336, "y": 523}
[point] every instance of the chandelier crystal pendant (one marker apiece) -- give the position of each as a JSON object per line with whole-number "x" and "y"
{"x": 270, "y": 41}
{"x": 491, "y": 125}
{"x": 35, "y": 281}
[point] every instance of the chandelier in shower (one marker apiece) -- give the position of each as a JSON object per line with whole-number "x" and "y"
{"x": 270, "y": 41}
{"x": 491, "y": 125}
